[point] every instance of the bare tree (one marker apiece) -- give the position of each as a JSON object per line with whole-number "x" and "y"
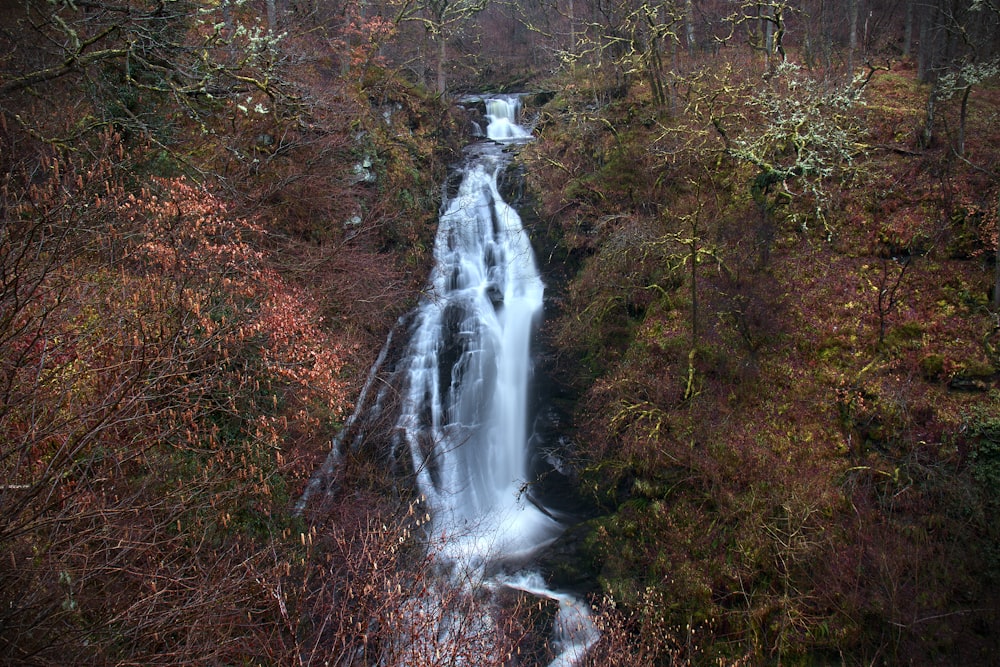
{"x": 442, "y": 20}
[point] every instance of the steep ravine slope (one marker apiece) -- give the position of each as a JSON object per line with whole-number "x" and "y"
{"x": 784, "y": 423}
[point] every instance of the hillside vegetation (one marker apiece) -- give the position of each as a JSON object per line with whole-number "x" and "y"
{"x": 778, "y": 325}
{"x": 206, "y": 233}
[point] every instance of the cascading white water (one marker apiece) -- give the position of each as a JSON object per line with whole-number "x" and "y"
{"x": 502, "y": 114}
{"x": 464, "y": 411}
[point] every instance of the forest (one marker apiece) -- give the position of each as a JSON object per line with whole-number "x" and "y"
{"x": 769, "y": 236}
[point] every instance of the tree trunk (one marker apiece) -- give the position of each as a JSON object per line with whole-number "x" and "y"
{"x": 996, "y": 266}
{"x": 272, "y": 17}
{"x": 908, "y": 30}
{"x": 927, "y": 134}
{"x": 671, "y": 96}
{"x": 694, "y": 288}
{"x": 227, "y": 18}
{"x": 689, "y": 387}
{"x": 769, "y": 38}
{"x": 826, "y": 38}
{"x": 963, "y": 113}
{"x": 922, "y": 48}
{"x": 651, "y": 60}
{"x": 928, "y": 45}
{"x": 767, "y": 33}
{"x": 779, "y": 34}
{"x": 572, "y": 30}
{"x": 852, "y": 33}
{"x": 442, "y": 54}
{"x": 689, "y": 25}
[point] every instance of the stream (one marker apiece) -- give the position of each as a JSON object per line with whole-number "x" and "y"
{"x": 469, "y": 367}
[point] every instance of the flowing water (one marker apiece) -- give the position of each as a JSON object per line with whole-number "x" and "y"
{"x": 465, "y": 408}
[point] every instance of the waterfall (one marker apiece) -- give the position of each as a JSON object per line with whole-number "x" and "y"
{"x": 502, "y": 114}
{"x": 468, "y": 368}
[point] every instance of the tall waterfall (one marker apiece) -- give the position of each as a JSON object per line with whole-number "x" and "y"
{"x": 468, "y": 370}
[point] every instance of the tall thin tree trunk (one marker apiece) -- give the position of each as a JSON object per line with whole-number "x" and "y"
{"x": 272, "y": 17}
{"x": 927, "y": 135}
{"x": 420, "y": 68}
{"x": 671, "y": 96}
{"x": 927, "y": 46}
{"x": 227, "y": 17}
{"x": 765, "y": 35}
{"x": 651, "y": 61}
{"x": 694, "y": 289}
{"x": 908, "y": 30}
{"x": 963, "y": 114}
{"x": 442, "y": 54}
{"x": 769, "y": 38}
{"x": 689, "y": 25}
{"x": 996, "y": 267}
{"x": 826, "y": 37}
{"x": 572, "y": 29}
{"x": 852, "y": 36}
{"x": 227, "y": 20}
{"x": 693, "y": 351}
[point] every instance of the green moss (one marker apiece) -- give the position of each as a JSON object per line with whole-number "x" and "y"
{"x": 905, "y": 336}
{"x": 832, "y": 348}
{"x": 977, "y": 369}
{"x": 931, "y": 367}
